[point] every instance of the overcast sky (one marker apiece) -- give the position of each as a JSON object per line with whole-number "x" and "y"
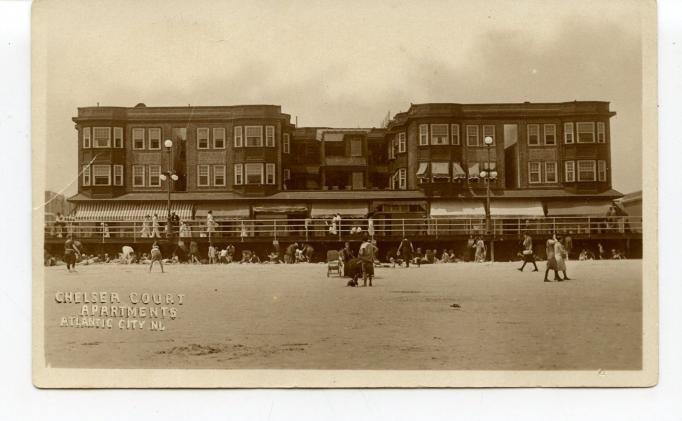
{"x": 343, "y": 63}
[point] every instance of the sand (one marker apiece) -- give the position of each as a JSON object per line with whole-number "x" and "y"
{"x": 451, "y": 316}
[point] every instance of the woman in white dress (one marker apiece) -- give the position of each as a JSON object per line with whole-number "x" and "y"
{"x": 560, "y": 256}
{"x": 370, "y": 227}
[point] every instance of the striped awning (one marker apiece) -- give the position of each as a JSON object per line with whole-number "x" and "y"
{"x": 348, "y": 209}
{"x": 516, "y": 208}
{"x": 129, "y": 211}
{"x": 225, "y": 211}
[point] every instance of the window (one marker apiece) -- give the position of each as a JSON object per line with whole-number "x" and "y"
{"x": 402, "y": 179}
{"x": 101, "y": 137}
{"x": 238, "y": 131}
{"x": 219, "y": 137}
{"x": 270, "y": 136}
{"x": 472, "y": 135}
{"x": 601, "y": 170}
{"x": 286, "y": 143}
{"x": 568, "y": 133}
{"x": 138, "y": 176}
{"x": 550, "y": 134}
{"x": 569, "y": 171}
{"x": 355, "y": 147}
{"x": 550, "y": 172}
{"x": 118, "y": 175}
{"x": 489, "y": 130}
{"x": 533, "y": 134}
{"x": 269, "y": 173}
{"x": 534, "y": 173}
{"x": 155, "y": 138}
{"x": 454, "y": 134}
{"x": 154, "y": 176}
{"x": 138, "y": 138}
{"x": 391, "y": 149}
{"x": 601, "y": 132}
{"x": 254, "y": 173}
{"x": 238, "y": 174}
{"x": 202, "y": 175}
{"x": 586, "y": 170}
{"x": 86, "y": 137}
{"x": 101, "y": 175}
{"x": 402, "y": 142}
{"x": 423, "y": 134}
{"x": 254, "y": 137}
{"x": 585, "y": 133}
{"x": 118, "y": 137}
{"x": 202, "y": 138}
{"x": 218, "y": 175}
{"x": 287, "y": 174}
{"x": 439, "y": 134}
{"x": 86, "y": 175}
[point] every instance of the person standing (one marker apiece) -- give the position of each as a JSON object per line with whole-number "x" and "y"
{"x": 405, "y": 251}
{"x": 155, "y": 227}
{"x": 568, "y": 245}
{"x": 169, "y": 226}
{"x": 290, "y": 253}
{"x": 59, "y": 224}
{"x": 346, "y": 255}
{"x": 470, "y": 248}
{"x": 194, "y": 252}
{"x": 480, "y": 250}
{"x": 600, "y": 247}
{"x": 156, "y": 257}
{"x": 211, "y": 254}
{"x": 70, "y": 253}
{"x": 370, "y": 226}
{"x": 210, "y": 224}
{"x": 528, "y": 254}
{"x": 551, "y": 260}
{"x": 146, "y": 227}
{"x": 184, "y": 230}
{"x": 366, "y": 255}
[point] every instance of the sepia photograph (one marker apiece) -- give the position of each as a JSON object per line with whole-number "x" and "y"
{"x": 356, "y": 194}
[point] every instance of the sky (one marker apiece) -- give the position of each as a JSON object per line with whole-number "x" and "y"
{"x": 342, "y": 64}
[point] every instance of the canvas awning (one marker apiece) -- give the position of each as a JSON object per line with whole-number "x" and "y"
{"x": 333, "y": 137}
{"x": 457, "y": 208}
{"x": 531, "y": 208}
{"x": 440, "y": 169}
{"x": 474, "y": 172}
{"x": 129, "y": 211}
{"x": 295, "y": 208}
{"x": 580, "y": 207}
{"x": 423, "y": 170}
{"x": 353, "y": 210}
{"x": 457, "y": 171}
{"x": 226, "y": 211}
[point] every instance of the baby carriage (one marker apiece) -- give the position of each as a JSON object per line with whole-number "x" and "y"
{"x": 334, "y": 263}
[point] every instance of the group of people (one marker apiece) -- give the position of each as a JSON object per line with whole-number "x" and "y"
{"x": 556, "y": 257}
{"x": 363, "y": 262}
{"x": 151, "y": 227}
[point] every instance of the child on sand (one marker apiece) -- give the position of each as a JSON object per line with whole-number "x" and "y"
{"x": 156, "y": 257}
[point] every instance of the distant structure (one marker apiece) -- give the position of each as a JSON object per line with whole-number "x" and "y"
{"x": 55, "y": 202}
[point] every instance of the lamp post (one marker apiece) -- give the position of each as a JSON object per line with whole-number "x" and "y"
{"x": 489, "y": 174}
{"x": 169, "y": 174}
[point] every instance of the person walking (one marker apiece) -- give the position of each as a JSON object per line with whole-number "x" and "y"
{"x": 156, "y": 257}
{"x": 528, "y": 254}
{"x": 194, "y": 252}
{"x": 366, "y": 255}
{"x": 560, "y": 256}
{"x": 551, "y": 260}
{"x": 70, "y": 253}
{"x": 405, "y": 251}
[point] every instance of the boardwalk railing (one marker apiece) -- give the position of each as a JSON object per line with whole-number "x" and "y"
{"x": 326, "y": 229}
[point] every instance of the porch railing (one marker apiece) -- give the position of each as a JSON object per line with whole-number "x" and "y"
{"x": 325, "y": 229}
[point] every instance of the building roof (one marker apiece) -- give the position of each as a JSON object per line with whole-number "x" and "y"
{"x": 347, "y": 195}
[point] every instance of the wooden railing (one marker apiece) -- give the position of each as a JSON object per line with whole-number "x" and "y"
{"x": 325, "y": 229}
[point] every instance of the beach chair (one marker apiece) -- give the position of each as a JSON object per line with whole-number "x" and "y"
{"x": 334, "y": 263}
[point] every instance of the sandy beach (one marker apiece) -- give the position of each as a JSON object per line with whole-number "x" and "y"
{"x": 449, "y": 316}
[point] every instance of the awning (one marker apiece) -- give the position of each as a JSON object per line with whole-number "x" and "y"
{"x": 332, "y": 137}
{"x": 127, "y": 211}
{"x": 578, "y": 207}
{"x": 296, "y": 208}
{"x": 457, "y": 208}
{"x": 226, "y": 211}
{"x": 474, "y": 172}
{"x": 354, "y": 210}
{"x": 440, "y": 169}
{"x": 386, "y": 206}
{"x": 423, "y": 170}
{"x": 516, "y": 208}
{"x": 457, "y": 171}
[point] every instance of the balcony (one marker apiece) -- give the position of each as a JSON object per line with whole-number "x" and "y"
{"x": 345, "y": 161}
